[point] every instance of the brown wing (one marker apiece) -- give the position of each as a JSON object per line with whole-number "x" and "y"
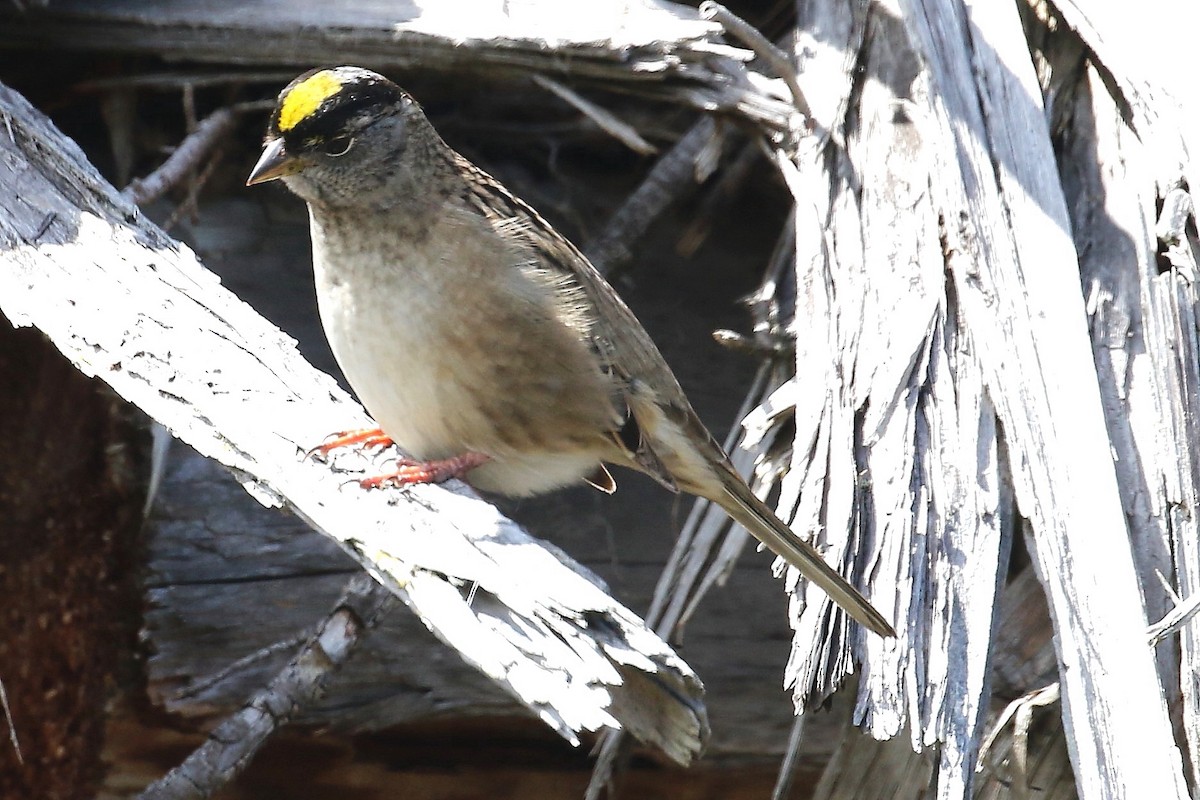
{"x": 621, "y": 345}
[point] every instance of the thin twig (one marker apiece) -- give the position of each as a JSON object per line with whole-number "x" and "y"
{"x": 262, "y": 654}
{"x": 613, "y": 752}
{"x": 190, "y": 204}
{"x": 189, "y": 107}
{"x": 12, "y": 727}
{"x": 1018, "y": 710}
{"x": 791, "y": 760}
{"x": 775, "y": 345}
{"x": 608, "y": 122}
{"x": 190, "y": 152}
{"x": 1174, "y": 619}
{"x": 670, "y": 176}
{"x": 716, "y": 198}
{"x": 173, "y": 81}
{"x": 234, "y": 742}
{"x": 763, "y": 48}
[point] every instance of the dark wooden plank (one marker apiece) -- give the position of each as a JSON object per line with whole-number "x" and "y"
{"x": 72, "y": 482}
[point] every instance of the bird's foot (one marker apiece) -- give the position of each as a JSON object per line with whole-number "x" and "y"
{"x": 361, "y": 437}
{"x": 409, "y": 471}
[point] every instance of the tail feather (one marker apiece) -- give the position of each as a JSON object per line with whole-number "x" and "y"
{"x": 741, "y": 504}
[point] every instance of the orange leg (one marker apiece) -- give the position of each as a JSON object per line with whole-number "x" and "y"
{"x": 409, "y": 471}
{"x": 363, "y": 437}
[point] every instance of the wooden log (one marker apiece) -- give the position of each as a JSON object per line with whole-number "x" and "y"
{"x": 1015, "y": 269}
{"x": 897, "y": 455}
{"x": 653, "y": 47}
{"x": 639, "y": 39}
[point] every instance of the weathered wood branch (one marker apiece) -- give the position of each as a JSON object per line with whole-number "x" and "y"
{"x": 1130, "y": 184}
{"x": 1016, "y": 273}
{"x": 233, "y": 743}
{"x": 188, "y": 155}
{"x": 130, "y": 306}
{"x": 654, "y": 47}
{"x": 670, "y": 177}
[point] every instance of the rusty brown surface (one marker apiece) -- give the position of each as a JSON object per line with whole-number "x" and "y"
{"x": 69, "y": 501}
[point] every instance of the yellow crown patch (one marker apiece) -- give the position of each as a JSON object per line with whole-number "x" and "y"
{"x": 306, "y": 97}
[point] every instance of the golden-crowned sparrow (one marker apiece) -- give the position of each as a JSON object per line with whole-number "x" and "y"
{"x": 481, "y": 340}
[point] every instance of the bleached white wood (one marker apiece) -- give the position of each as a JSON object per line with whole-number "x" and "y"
{"x": 1139, "y": 267}
{"x": 654, "y": 47}
{"x": 913, "y": 481}
{"x": 1016, "y": 273}
{"x": 642, "y": 33}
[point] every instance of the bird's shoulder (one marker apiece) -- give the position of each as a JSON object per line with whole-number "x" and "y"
{"x": 619, "y": 339}
{"x": 620, "y": 344}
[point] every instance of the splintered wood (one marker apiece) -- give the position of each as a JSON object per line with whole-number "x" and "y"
{"x": 919, "y": 397}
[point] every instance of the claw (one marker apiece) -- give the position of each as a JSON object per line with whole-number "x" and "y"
{"x": 409, "y": 472}
{"x": 363, "y": 437}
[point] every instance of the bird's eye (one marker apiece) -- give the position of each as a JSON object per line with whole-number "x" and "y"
{"x": 338, "y": 146}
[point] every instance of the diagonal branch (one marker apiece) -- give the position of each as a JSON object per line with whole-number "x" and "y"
{"x": 231, "y": 746}
{"x": 125, "y": 303}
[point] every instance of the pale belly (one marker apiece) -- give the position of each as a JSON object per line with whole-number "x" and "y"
{"x": 443, "y": 379}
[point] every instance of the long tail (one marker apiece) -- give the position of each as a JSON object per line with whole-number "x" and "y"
{"x": 741, "y": 504}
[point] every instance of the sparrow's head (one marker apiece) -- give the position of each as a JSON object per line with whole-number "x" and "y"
{"x": 344, "y": 136}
